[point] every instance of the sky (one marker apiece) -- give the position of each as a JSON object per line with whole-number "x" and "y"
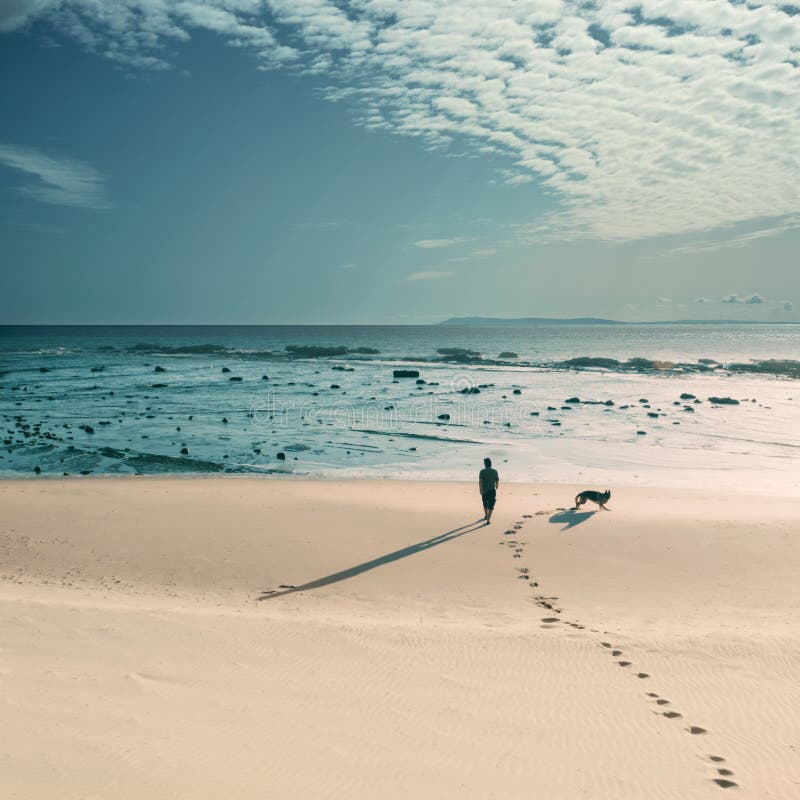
{"x": 398, "y": 161}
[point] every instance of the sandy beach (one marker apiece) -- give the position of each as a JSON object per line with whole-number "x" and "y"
{"x": 204, "y": 637}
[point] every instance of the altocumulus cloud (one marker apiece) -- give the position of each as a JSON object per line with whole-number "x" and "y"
{"x": 64, "y": 182}
{"x": 429, "y": 275}
{"x": 752, "y": 300}
{"x": 641, "y": 118}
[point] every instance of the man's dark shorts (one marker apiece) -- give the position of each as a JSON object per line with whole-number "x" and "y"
{"x": 489, "y": 499}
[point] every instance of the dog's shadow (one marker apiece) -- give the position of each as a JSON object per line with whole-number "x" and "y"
{"x": 571, "y": 517}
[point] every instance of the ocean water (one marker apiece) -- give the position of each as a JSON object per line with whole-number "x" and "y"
{"x": 230, "y": 399}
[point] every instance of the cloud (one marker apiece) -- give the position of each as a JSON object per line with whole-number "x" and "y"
{"x": 15, "y": 13}
{"x": 63, "y": 182}
{"x": 428, "y": 276}
{"x": 786, "y": 306}
{"x": 430, "y": 244}
{"x": 702, "y": 300}
{"x": 639, "y": 119}
{"x": 752, "y": 300}
{"x": 742, "y": 240}
{"x": 487, "y": 251}
{"x": 664, "y": 301}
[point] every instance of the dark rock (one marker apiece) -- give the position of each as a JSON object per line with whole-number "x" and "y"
{"x": 281, "y": 456}
{"x": 707, "y": 361}
{"x": 158, "y": 385}
{"x": 159, "y": 369}
{"x": 687, "y": 396}
{"x": 534, "y": 413}
{"x": 406, "y": 373}
{"x": 470, "y": 390}
{"x": 313, "y": 351}
{"x": 573, "y": 400}
{"x": 723, "y": 401}
{"x": 508, "y": 354}
{"x": 265, "y": 377}
{"x": 364, "y": 351}
{"x": 37, "y": 469}
{"x": 444, "y": 417}
{"x": 608, "y": 403}
{"x": 420, "y": 381}
{"x": 641, "y": 433}
{"x": 184, "y": 451}
{"x": 517, "y": 391}
{"x": 591, "y": 361}
{"x": 225, "y": 420}
{"x": 457, "y": 351}
{"x": 335, "y": 386}
{"x": 236, "y": 378}
{"x": 44, "y": 369}
{"x": 652, "y": 414}
{"x": 86, "y": 428}
{"x": 640, "y": 363}
{"x": 226, "y": 369}
{"x": 643, "y": 400}
{"x": 97, "y": 369}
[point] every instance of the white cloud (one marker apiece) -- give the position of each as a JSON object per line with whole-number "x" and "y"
{"x": 431, "y": 244}
{"x": 640, "y": 119}
{"x": 702, "y": 300}
{"x": 430, "y": 275}
{"x": 63, "y": 182}
{"x": 742, "y": 240}
{"x": 752, "y": 300}
{"x": 786, "y": 306}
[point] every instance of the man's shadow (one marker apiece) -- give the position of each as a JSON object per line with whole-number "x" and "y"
{"x": 351, "y": 572}
{"x": 571, "y": 517}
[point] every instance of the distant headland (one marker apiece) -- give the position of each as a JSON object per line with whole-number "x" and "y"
{"x": 532, "y": 321}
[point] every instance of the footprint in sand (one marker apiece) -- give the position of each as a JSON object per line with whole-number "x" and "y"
{"x": 624, "y": 663}
{"x": 671, "y": 714}
{"x": 550, "y": 619}
{"x": 526, "y": 516}
{"x": 616, "y": 652}
{"x": 662, "y": 702}
{"x": 725, "y": 771}
{"x": 695, "y": 730}
{"x": 717, "y": 759}
{"x": 605, "y": 644}
{"x": 724, "y": 783}
{"x": 642, "y": 675}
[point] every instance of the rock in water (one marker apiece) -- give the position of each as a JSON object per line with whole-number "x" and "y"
{"x": 723, "y": 401}
{"x": 406, "y": 373}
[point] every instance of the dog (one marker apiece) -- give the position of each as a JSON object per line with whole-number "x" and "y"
{"x": 601, "y": 498}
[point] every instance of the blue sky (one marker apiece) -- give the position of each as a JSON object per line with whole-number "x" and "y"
{"x": 398, "y": 161}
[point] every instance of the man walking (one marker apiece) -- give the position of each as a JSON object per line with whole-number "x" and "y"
{"x": 488, "y": 481}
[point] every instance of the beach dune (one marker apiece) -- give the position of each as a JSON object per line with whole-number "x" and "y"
{"x": 204, "y": 637}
